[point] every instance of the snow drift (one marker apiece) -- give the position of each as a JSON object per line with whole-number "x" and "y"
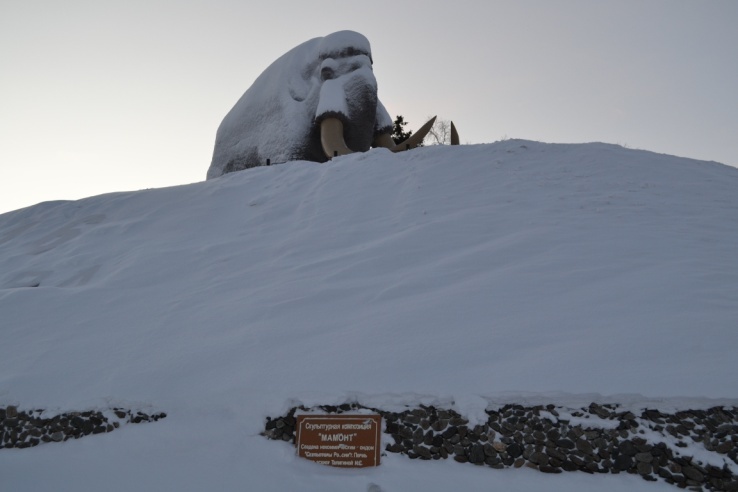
{"x": 465, "y": 276}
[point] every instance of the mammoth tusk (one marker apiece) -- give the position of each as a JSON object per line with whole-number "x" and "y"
{"x": 454, "y": 135}
{"x": 384, "y": 140}
{"x": 417, "y": 137}
{"x": 413, "y": 141}
{"x": 331, "y": 138}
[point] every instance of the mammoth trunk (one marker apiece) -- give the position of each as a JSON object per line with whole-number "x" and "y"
{"x": 362, "y": 108}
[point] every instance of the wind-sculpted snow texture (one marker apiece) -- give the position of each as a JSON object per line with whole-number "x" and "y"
{"x": 460, "y": 278}
{"x": 279, "y": 116}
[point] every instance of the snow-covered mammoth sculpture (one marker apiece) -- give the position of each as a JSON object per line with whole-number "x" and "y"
{"x": 316, "y": 101}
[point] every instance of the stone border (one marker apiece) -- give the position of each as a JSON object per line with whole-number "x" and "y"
{"x": 553, "y": 439}
{"x": 27, "y": 428}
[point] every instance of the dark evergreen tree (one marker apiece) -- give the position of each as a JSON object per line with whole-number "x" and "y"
{"x": 399, "y": 134}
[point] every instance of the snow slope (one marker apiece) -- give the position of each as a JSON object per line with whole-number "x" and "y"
{"x": 459, "y": 276}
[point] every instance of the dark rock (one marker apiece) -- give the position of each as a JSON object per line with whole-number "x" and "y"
{"x": 476, "y": 454}
{"x": 506, "y": 460}
{"x": 428, "y": 438}
{"x": 730, "y": 486}
{"x": 644, "y": 457}
{"x": 406, "y": 433}
{"x": 394, "y": 448}
{"x": 565, "y": 443}
{"x": 423, "y": 452}
{"x": 584, "y": 446}
{"x": 492, "y": 461}
{"x": 725, "y": 447}
{"x": 499, "y": 446}
{"x": 623, "y": 462}
{"x": 489, "y": 450}
{"x": 555, "y": 453}
{"x": 539, "y": 458}
{"x": 439, "y": 425}
{"x": 592, "y": 434}
{"x": 450, "y": 432}
{"x": 553, "y": 435}
{"x": 599, "y": 411}
{"x": 664, "y": 473}
{"x": 643, "y": 468}
{"x": 692, "y": 473}
{"x": 627, "y": 448}
{"x": 555, "y": 462}
{"x": 514, "y": 450}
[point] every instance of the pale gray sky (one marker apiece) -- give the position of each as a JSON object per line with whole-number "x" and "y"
{"x": 99, "y": 96}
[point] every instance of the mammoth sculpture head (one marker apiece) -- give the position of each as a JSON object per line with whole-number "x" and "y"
{"x": 316, "y": 101}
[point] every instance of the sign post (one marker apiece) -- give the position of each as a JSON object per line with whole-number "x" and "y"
{"x": 348, "y": 441}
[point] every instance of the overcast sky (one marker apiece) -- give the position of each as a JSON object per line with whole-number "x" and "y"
{"x": 99, "y": 96}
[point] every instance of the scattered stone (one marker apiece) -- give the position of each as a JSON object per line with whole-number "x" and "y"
{"x": 517, "y": 436}
{"x": 476, "y": 454}
{"x": 643, "y": 468}
{"x": 539, "y": 458}
{"x": 584, "y": 446}
{"x": 499, "y": 446}
{"x": 27, "y": 428}
{"x": 423, "y": 452}
{"x": 725, "y": 447}
{"x": 644, "y": 457}
{"x": 693, "y": 474}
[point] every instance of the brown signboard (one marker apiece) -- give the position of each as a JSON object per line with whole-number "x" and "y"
{"x": 349, "y": 441}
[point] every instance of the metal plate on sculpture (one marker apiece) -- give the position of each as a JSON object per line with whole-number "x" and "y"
{"x": 347, "y": 441}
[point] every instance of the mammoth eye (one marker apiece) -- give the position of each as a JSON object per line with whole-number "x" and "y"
{"x": 326, "y": 73}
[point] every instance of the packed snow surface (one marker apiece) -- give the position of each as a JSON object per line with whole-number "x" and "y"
{"x": 514, "y": 272}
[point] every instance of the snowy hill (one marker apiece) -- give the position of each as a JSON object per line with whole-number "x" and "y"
{"x": 465, "y": 276}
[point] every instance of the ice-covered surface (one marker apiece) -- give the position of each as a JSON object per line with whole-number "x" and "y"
{"x": 274, "y": 118}
{"x": 461, "y": 277}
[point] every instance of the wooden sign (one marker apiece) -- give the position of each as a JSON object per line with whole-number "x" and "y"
{"x": 349, "y": 441}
